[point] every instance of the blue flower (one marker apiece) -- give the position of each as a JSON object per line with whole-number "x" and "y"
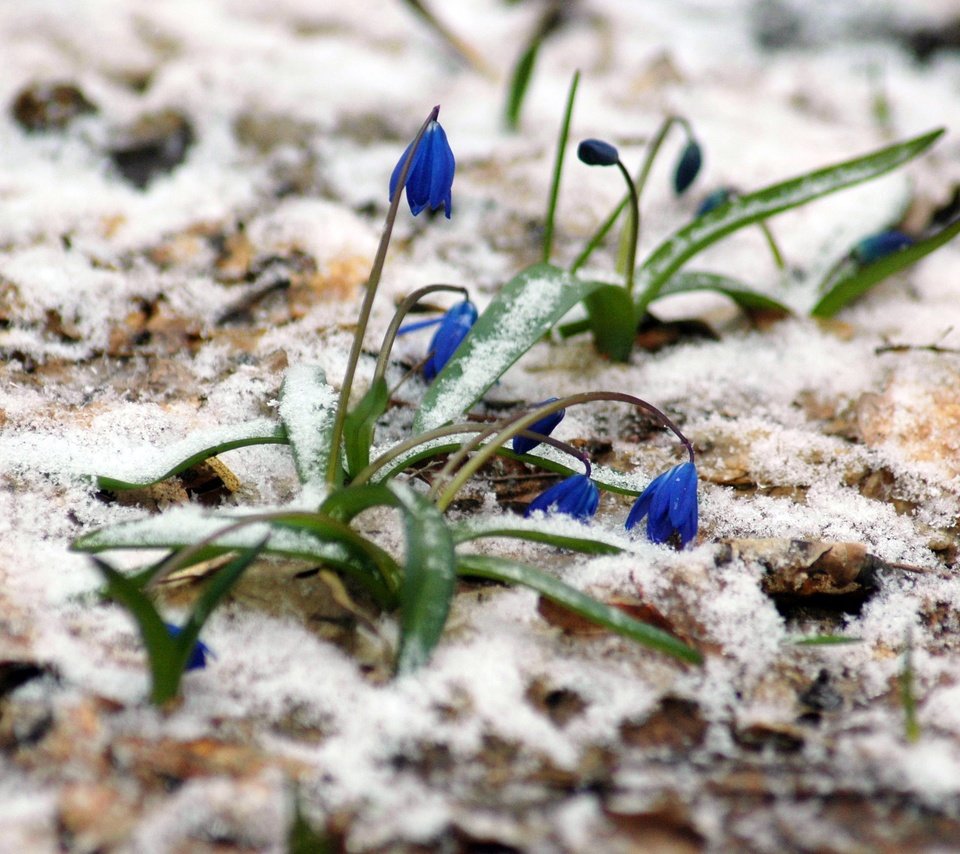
{"x": 688, "y": 166}
{"x": 430, "y": 177}
{"x": 576, "y": 496}
{"x": 545, "y": 426}
{"x": 879, "y": 245}
{"x": 713, "y": 200}
{"x": 670, "y": 505}
{"x": 596, "y": 152}
{"x": 454, "y": 326}
{"x": 199, "y": 653}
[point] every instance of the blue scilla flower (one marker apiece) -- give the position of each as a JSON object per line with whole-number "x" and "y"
{"x": 688, "y": 167}
{"x": 545, "y": 426}
{"x": 430, "y": 177}
{"x": 454, "y": 326}
{"x": 713, "y": 200}
{"x": 199, "y": 653}
{"x": 670, "y": 505}
{"x": 879, "y": 245}
{"x": 575, "y": 496}
{"x": 596, "y": 152}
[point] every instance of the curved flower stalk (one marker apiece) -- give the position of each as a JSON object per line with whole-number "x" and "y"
{"x": 669, "y": 504}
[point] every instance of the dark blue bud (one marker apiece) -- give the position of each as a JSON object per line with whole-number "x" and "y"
{"x": 688, "y": 167}
{"x": 454, "y": 326}
{"x": 670, "y": 505}
{"x": 596, "y": 152}
{"x": 199, "y": 653}
{"x": 575, "y": 496}
{"x": 430, "y": 177}
{"x": 545, "y": 426}
{"x": 879, "y": 245}
{"x": 718, "y": 197}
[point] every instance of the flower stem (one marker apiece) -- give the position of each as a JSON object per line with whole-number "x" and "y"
{"x": 558, "y": 170}
{"x": 633, "y": 228}
{"x": 391, "y": 334}
{"x": 510, "y": 427}
{"x": 373, "y": 281}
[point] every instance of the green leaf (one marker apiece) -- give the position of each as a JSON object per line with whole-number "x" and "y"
{"x": 519, "y": 81}
{"x": 499, "y": 569}
{"x": 740, "y": 293}
{"x": 359, "y": 425}
{"x": 564, "y": 135}
{"x": 524, "y": 529}
{"x": 851, "y": 281}
{"x": 612, "y": 321}
{"x": 177, "y": 529}
{"x": 429, "y": 579}
{"x": 674, "y": 252}
{"x": 194, "y": 449}
{"x": 168, "y": 654}
{"x": 825, "y": 640}
{"x": 524, "y": 310}
{"x": 308, "y": 407}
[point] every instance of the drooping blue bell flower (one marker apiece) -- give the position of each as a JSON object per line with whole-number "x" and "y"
{"x": 713, "y": 200}
{"x": 596, "y": 152}
{"x": 199, "y": 653}
{"x": 545, "y": 426}
{"x": 670, "y": 505}
{"x": 430, "y": 177}
{"x": 575, "y": 496}
{"x": 454, "y": 326}
{"x": 879, "y": 245}
{"x": 688, "y": 167}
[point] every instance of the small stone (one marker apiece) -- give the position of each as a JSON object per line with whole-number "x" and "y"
{"x": 49, "y": 106}
{"x": 155, "y": 144}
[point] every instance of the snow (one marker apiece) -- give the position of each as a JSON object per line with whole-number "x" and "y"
{"x": 77, "y": 244}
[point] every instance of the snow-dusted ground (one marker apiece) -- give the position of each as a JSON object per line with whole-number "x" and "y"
{"x": 516, "y": 733}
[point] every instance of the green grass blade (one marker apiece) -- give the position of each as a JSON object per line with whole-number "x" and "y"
{"x": 308, "y": 406}
{"x": 548, "y": 225}
{"x": 429, "y": 579}
{"x": 742, "y": 294}
{"x": 674, "y": 252}
{"x": 520, "y": 81}
{"x": 524, "y": 310}
{"x": 499, "y": 569}
{"x": 825, "y": 640}
{"x": 852, "y": 281}
{"x": 194, "y": 449}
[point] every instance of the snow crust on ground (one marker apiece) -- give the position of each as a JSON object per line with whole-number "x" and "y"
{"x": 75, "y": 239}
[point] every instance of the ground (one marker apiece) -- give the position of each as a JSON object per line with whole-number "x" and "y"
{"x": 193, "y": 213}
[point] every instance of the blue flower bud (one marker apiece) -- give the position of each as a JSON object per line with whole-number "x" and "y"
{"x": 454, "y": 326}
{"x": 670, "y": 505}
{"x": 713, "y": 200}
{"x": 596, "y": 152}
{"x": 545, "y": 426}
{"x": 199, "y": 653}
{"x": 879, "y": 245}
{"x": 575, "y": 496}
{"x": 430, "y": 177}
{"x": 687, "y": 167}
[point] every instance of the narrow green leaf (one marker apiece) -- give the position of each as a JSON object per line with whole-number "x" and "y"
{"x": 359, "y": 425}
{"x": 852, "y": 281}
{"x": 177, "y": 529}
{"x": 612, "y": 321}
{"x": 429, "y": 579}
{"x": 308, "y": 407}
{"x": 825, "y": 640}
{"x": 674, "y": 252}
{"x": 192, "y": 450}
{"x": 548, "y": 223}
{"x": 524, "y": 310}
{"x": 519, "y": 81}
{"x": 740, "y": 293}
{"x": 498, "y": 569}
{"x": 526, "y": 530}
